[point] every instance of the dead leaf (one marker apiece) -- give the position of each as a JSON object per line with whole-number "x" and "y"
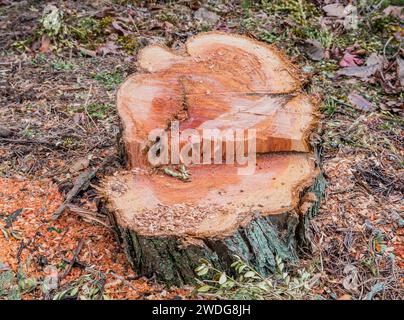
{"x": 313, "y": 49}
{"x": 360, "y": 102}
{"x": 207, "y": 16}
{"x": 80, "y": 164}
{"x": 392, "y": 106}
{"x": 373, "y": 64}
{"x": 4, "y": 267}
{"x": 394, "y": 11}
{"x": 118, "y": 26}
{"x": 45, "y": 44}
{"x": 351, "y": 280}
{"x": 107, "y": 48}
{"x": 350, "y": 60}
{"x": 335, "y": 10}
{"x": 79, "y": 117}
{"x": 345, "y": 297}
{"x": 87, "y": 52}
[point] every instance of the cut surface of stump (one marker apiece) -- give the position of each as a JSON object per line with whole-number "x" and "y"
{"x": 219, "y": 81}
{"x": 222, "y": 81}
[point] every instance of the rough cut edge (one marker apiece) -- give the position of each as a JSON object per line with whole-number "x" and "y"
{"x": 245, "y": 218}
{"x": 179, "y": 55}
{"x": 294, "y": 72}
{"x": 172, "y": 259}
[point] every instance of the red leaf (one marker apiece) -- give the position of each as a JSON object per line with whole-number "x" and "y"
{"x": 350, "y": 60}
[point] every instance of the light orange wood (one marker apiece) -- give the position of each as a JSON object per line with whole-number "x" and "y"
{"x": 222, "y": 81}
{"x": 215, "y": 202}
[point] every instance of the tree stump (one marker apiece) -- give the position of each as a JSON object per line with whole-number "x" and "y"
{"x": 219, "y": 81}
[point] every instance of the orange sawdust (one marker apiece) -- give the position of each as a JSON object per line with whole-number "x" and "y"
{"x": 50, "y": 243}
{"x": 399, "y": 247}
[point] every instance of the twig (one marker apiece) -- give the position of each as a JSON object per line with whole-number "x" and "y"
{"x": 86, "y": 104}
{"x": 75, "y": 255}
{"x": 82, "y": 183}
{"x": 30, "y": 142}
{"x": 13, "y": 217}
{"x": 122, "y": 279}
{"x": 88, "y": 215}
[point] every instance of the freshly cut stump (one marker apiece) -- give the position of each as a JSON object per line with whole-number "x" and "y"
{"x": 220, "y": 81}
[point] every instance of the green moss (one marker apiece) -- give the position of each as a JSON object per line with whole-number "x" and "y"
{"x": 99, "y": 111}
{"x": 302, "y": 12}
{"x": 328, "y": 107}
{"x": 129, "y": 43}
{"x": 61, "y": 65}
{"x": 168, "y": 16}
{"x": 88, "y": 30}
{"x": 268, "y": 36}
{"x": 110, "y": 80}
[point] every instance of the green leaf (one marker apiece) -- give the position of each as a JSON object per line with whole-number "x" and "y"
{"x": 60, "y": 295}
{"x": 203, "y": 271}
{"x": 74, "y": 291}
{"x": 241, "y": 268}
{"x": 263, "y": 286}
{"x": 202, "y": 266}
{"x": 5, "y": 233}
{"x": 28, "y": 285}
{"x": 17, "y": 234}
{"x": 249, "y": 274}
{"x": 205, "y": 288}
{"x": 223, "y": 278}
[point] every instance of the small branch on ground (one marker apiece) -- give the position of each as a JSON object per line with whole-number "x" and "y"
{"x": 75, "y": 255}
{"x": 82, "y": 183}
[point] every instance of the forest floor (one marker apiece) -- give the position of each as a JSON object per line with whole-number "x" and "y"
{"x": 59, "y": 69}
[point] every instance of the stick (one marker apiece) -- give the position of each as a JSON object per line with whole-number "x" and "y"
{"x": 75, "y": 255}
{"x": 30, "y": 142}
{"x": 88, "y": 215}
{"x": 82, "y": 183}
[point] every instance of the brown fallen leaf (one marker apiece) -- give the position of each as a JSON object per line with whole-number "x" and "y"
{"x": 313, "y": 49}
{"x": 360, "y": 102}
{"x": 119, "y": 26}
{"x": 87, "y": 52}
{"x": 80, "y": 164}
{"x": 79, "y": 117}
{"x": 335, "y": 10}
{"x": 372, "y": 64}
{"x": 392, "y": 106}
{"x": 206, "y": 16}
{"x": 350, "y": 60}
{"x": 351, "y": 280}
{"x": 45, "y": 44}
{"x": 4, "y": 267}
{"x": 107, "y": 48}
{"x": 395, "y": 11}
{"x": 345, "y": 297}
